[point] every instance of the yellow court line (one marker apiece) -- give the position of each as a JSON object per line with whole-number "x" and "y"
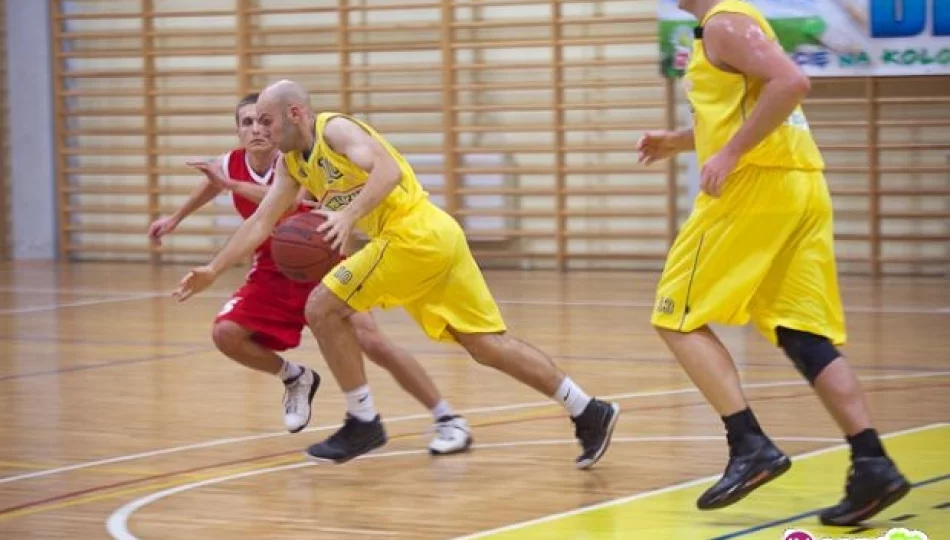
{"x": 815, "y": 480}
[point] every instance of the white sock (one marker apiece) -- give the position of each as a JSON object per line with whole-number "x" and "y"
{"x": 441, "y": 410}
{"x": 571, "y": 397}
{"x": 359, "y": 403}
{"x": 289, "y": 370}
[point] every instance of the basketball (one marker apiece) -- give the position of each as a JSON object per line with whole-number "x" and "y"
{"x": 300, "y": 252}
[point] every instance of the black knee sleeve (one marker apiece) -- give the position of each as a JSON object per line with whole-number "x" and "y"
{"x": 810, "y": 353}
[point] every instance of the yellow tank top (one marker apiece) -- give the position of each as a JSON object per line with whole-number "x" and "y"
{"x": 335, "y": 181}
{"x": 721, "y": 100}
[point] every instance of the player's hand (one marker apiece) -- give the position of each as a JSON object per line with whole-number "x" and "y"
{"x": 160, "y": 227}
{"x": 212, "y": 171}
{"x": 337, "y": 228}
{"x": 197, "y": 280}
{"x": 713, "y": 177}
{"x": 654, "y": 146}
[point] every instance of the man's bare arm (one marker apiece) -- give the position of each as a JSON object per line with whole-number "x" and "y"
{"x": 349, "y": 139}
{"x": 255, "y": 230}
{"x": 255, "y": 192}
{"x": 252, "y": 192}
{"x": 736, "y": 42}
{"x": 656, "y": 145}
{"x": 201, "y": 196}
{"x": 683, "y": 140}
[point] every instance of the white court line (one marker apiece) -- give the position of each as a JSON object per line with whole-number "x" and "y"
{"x": 675, "y": 487}
{"x": 117, "y": 523}
{"x": 369, "y": 532}
{"x": 66, "y": 290}
{"x": 78, "y": 303}
{"x": 498, "y": 408}
{"x": 140, "y": 295}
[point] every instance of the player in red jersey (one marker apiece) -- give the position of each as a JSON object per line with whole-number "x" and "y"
{"x": 266, "y": 315}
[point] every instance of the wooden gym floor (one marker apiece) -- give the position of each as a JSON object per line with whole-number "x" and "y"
{"x": 118, "y": 417}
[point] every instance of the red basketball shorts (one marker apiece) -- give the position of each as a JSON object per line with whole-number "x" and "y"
{"x": 271, "y": 306}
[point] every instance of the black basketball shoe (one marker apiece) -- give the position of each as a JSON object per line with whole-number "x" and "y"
{"x": 747, "y": 470}
{"x": 352, "y": 440}
{"x": 874, "y": 483}
{"x": 593, "y": 428}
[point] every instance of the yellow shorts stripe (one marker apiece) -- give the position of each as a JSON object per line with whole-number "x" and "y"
{"x": 369, "y": 272}
{"x": 692, "y": 277}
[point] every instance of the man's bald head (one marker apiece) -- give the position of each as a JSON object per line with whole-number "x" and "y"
{"x": 286, "y": 93}
{"x": 284, "y": 108}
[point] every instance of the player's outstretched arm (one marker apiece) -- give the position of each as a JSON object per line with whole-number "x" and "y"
{"x": 349, "y": 139}
{"x": 215, "y": 173}
{"x": 736, "y": 42}
{"x": 217, "y": 176}
{"x": 202, "y": 195}
{"x": 251, "y": 192}
{"x": 251, "y": 234}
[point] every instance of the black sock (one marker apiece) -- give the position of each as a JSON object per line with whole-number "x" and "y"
{"x": 742, "y": 428}
{"x": 866, "y": 444}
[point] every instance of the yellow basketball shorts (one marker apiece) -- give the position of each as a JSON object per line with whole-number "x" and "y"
{"x": 763, "y": 250}
{"x": 425, "y": 266}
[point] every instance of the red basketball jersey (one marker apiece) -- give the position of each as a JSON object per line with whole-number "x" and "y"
{"x": 236, "y": 167}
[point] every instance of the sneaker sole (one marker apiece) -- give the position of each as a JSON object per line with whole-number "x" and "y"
{"x": 588, "y": 463}
{"x": 313, "y": 392}
{"x": 465, "y": 448}
{"x": 888, "y": 500}
{"x": 776, "y": 469}
{"x": 376, "y": 443}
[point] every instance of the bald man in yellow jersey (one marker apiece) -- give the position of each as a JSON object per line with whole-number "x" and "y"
{"x": 417, "y": 258}
{"x": 759, "y": 246}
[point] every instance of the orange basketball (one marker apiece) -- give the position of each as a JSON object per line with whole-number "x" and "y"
{"x": 300, "y": 252}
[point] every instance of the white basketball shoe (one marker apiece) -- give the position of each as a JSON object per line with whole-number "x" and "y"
{"x": 298, "y": 395}
{"x": 452, "y": 435}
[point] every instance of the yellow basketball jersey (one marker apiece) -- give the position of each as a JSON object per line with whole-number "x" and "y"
{"x": 721, "y": 100}
{"x": 335, "y": 181}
